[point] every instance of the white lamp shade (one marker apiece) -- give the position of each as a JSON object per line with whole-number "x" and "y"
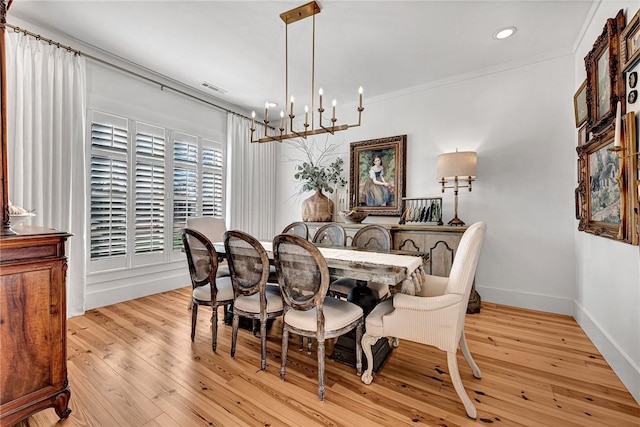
{"x": 462, "y": 164}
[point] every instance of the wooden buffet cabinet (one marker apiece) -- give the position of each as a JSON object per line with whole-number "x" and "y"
{"x": 437, "y": 244}
{"x": 33, "y": 318}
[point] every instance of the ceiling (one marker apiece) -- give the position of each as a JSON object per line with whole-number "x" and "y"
{"x": 384, "y": 46}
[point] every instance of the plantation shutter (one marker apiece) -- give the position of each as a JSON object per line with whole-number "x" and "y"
{"x": 212, "y": 180}
{"x": 149, "y": 189}
{"x": 185, "y": 183}
{"x": 108, "y": 235}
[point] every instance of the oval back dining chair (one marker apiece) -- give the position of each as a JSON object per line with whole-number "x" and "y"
{"x": 298, "y": 228}
{"x": 373, "y": 237}
{"x": 434, "y": 317}
{"x": 253, "y": 297}
{"x": 213, "y": 228}
{"x": 332, "y": 234}
{"x": 303, "y": 276}
{"x": 207, "y": 288}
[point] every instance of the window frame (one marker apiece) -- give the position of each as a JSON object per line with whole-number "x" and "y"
{"x": 131, "y": 259}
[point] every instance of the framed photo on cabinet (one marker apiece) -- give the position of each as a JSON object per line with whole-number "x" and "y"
{"x": 605, "y": 86}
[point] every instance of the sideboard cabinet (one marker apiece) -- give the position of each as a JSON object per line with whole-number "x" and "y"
{"x": 33, "y": 331}
{"x": 436, "y": 243}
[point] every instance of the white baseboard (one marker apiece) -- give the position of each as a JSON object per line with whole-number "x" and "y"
{"x": 128, "y": 290}
{"x": 532, "y": 301}
{"x": 619, "y": 361}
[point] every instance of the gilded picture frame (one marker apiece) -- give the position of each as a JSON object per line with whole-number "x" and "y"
{"x": 378, "y": 175}
{"x": 583, "y": 136}
{"x": 580, "y": 104}
{"x": 605, "y": 198}
{"x": 630, "y": 43}
{"x": 605, "y": 85}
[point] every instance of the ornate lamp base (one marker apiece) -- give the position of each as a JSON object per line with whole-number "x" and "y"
{"x": 456, "y": 221}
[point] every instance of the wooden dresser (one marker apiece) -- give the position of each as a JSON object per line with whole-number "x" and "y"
{"x": 437, "y": 243}
{"x": 33, "y": 359}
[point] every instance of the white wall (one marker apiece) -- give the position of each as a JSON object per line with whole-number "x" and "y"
{"x": 608, "y": 272}
{"x": 516, "y": 120}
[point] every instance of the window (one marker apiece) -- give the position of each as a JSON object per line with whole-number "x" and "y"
{"x": 197, "y": 181}
{"x": 136, "y": 171}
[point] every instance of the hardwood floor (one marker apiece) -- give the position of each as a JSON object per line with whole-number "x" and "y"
{"x": 133, "y": 364}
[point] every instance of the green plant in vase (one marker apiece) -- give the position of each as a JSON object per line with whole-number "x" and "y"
{"x": 316, "y": 175}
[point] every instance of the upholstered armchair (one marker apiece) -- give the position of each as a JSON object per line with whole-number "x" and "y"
{"x": 435, "y": 316}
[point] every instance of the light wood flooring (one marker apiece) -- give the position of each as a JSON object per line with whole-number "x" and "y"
{"x": 133, "y": 364}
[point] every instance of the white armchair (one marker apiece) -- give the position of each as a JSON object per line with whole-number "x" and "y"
{"x": 436, "y": 316}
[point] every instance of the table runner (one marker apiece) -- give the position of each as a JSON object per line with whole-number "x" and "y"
{"x": 415, "y": 274}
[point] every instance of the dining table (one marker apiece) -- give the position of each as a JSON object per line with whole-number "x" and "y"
{"x": 402, "y": 271}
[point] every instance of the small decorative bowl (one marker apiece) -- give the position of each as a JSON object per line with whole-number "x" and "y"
{"x": 353, "y": 217}
{"x": 18, "y": 219}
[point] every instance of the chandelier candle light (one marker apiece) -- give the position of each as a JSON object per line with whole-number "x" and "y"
{"x": 286, "y": 130}
{"x": 455, "y": 167}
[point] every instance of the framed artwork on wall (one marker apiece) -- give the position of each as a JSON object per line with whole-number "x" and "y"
{"x": 604, "y": 202}
{"x": 378, "y": 176}
{"x": 630, "y": 44}
{"x": 580, "y": 104}
{"x": 605, "y": 87}
{"x": 583, "y": 137}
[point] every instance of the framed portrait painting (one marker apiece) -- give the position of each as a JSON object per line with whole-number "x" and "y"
{"x": 604, "y": 203}
{"x": 378, "y": 177}
{"x": 605, "y": 86}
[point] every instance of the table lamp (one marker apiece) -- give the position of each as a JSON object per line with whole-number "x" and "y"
{"x": 456, "y": 167}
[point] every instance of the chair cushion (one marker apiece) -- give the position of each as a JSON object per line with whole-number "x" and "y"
{"x": 251, "y": 303}
{"x": 373, "y": 322}
{"x": 225, "y": 290}
{"x": 337, "y": 315}
{"x": 344, "y": 285}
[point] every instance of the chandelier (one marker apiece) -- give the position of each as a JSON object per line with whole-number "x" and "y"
{"x": 286, "y": 129}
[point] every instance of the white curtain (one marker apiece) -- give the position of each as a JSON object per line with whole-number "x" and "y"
{"x": 46, "y": 104}
{"x": 251, "y": 185}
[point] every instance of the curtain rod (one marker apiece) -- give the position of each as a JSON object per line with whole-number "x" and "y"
{"x": 102, "y": 61}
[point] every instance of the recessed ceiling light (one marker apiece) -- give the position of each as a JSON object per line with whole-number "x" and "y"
{"x": 505, "y": 32}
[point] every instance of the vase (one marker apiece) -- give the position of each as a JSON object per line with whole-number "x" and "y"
{"x": 317, "y": 208}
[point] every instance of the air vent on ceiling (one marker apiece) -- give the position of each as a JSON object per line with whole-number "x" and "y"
{"x": 214, "y": 88}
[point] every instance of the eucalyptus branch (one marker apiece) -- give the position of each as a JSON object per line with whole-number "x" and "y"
{"x": 313, "y": 171}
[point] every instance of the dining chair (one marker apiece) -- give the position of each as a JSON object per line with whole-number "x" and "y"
{"x": 373, "y": 237}
{"x": 207, "y": 288}
{"x": 303, "y": 276}
{"x": 298, "y": 228}
{"x": 332, "y": 234}
{"x": 213, "y": 228}
{"x": 434, "y": 317}
{"x": 253, "y": 298}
